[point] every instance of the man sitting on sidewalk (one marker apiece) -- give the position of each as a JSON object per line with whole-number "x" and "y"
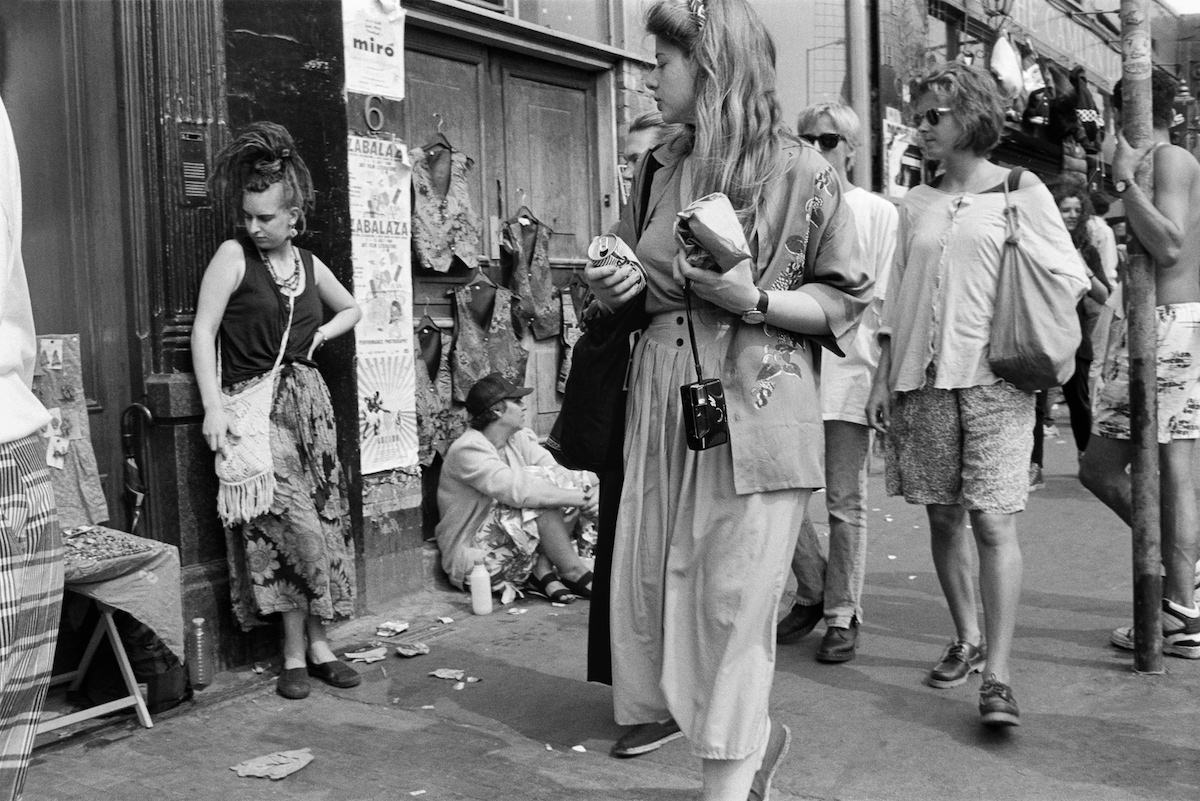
{"x": 1167, "y": 224}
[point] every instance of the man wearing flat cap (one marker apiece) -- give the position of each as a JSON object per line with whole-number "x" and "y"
{"x": 503, "y": 500}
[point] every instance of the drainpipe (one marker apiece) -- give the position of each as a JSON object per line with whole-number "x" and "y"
{"x": 858, "y": 58}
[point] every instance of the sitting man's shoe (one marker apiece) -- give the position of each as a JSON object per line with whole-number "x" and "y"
{"x": 799, "y": 622}
{"x": 335, "y": 673}
{"x": 645, "y": 737}
{"x": 959, "y": 660}
{"x": 777, "y": 748}
{"x": 292, "y": 683}
{"x": 1181, "y": 634}
{"x": 997, "y": 707}
{"x": 839, "y": 643}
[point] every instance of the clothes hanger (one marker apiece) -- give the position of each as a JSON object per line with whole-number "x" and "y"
{"x": 523, "y": 215}
{"x": 439, "y": 139}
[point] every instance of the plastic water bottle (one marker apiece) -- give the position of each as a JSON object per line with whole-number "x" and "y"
{"x": 199, "y": 652}
{"x": 481, "y": 589}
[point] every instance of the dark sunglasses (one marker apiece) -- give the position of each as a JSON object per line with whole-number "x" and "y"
{"x": 932, "y": 116}
{"x": 827, "y": 141}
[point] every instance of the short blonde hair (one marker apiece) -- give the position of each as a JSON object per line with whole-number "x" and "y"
{"x": 844, "y": 118}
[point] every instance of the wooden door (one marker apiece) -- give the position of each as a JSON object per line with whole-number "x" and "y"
{"x": 60, "y": 89}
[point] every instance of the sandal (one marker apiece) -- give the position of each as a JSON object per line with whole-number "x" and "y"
{"x": 549, "y": 587}
{"x": 581, "y": 586}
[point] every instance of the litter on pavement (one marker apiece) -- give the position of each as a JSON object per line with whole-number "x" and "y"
{"x": 411, "y": 649}
{"x": 274, "y": 766}
{"x": 368, "y": 655}
{"x": 450, "y": 674}
{"x": 390, "y": 628}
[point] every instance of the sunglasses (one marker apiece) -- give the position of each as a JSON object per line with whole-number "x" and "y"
{"x": 932, "y": 116}
{"x": 826, "y": 141}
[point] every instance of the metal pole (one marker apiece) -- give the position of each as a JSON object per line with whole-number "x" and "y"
{"x": 1139, "y": 286}
{"x": 858, "y": 63}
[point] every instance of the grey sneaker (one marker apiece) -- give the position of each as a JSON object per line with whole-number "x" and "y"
{"x": 777, "y": 748}
{"x": 645, "y": 737}
{"x": 1181, "y": 634}
{"x": 959, "y": 660}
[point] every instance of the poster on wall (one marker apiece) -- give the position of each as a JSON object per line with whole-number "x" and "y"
{"x": 373, "y": 42}
{"x": 380, "y": 174}
{"x": 901, "y": 156}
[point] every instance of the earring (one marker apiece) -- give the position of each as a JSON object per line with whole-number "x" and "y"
{"x": 293, "y": 232}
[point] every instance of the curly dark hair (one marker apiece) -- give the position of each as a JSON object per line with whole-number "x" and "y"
{"x": 974, "y": 98}
{"x": 261, "y": 155}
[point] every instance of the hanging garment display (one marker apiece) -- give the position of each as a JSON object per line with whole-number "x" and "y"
{"x": 487, "y": 338}
{"x": 439, "y": 421}
{"x": 525, "y": 255}
{"x": 1090, "y": 131}
{"x": 572, "y": 312}
{"x": 444, "y": 226}
{"x": 1007, "y": 67}
{"x": 58, "y": 384}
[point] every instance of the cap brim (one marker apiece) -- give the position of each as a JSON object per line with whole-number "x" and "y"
{"x": 520, "y": 392}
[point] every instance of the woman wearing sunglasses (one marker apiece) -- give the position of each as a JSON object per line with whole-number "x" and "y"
{"x": 958, "y": 436}
{"x": 703, "y": 537}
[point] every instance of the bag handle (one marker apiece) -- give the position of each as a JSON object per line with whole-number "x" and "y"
{"x": 1012, "y": 224}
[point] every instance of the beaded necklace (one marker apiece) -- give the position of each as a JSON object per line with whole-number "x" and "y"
{"x": 290, "y": 284}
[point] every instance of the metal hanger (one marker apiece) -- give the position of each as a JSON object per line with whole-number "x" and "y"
{"x": 439, "y": 139}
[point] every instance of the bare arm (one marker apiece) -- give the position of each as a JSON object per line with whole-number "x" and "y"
{"x": 337, "y": 298}
{"x": 735, "y": 291}
{"x": 879, "y": 402}
{"x": 221, "y": 277}
{"x": 1158, "y": 222}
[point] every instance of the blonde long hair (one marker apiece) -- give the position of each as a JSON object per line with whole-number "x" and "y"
{"x": 739, "y": 129}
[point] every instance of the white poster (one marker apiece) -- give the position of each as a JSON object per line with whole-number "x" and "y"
{"x": 901, "y": 157}
{"x": 380, "y": 174}
{"x": 373, "y": 43}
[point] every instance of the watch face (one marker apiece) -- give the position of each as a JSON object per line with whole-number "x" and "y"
{"x": 753, "y": 317}
{"x": 1121, "y": 186}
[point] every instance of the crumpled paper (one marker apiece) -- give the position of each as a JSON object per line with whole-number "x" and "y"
{"x": 368, "y": 655}
{"x": 411, "y": 649}
{"x": 274, "y": 766}
{"x": 390, "y": 628}
{"x": 710, "y": 234}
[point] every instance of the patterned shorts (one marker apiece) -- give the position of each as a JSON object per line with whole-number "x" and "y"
{"x": 1178, "y": 379}
{"x": 968, "y": 447}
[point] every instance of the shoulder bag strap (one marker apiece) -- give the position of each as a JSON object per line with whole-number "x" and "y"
{"x": 1012, "y": 226}
{"x": 282, "y": 343}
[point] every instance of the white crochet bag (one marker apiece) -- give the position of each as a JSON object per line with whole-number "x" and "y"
{"x": 244, "y": 468}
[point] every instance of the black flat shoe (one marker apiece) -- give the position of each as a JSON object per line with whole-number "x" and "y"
{"x": 581, "y": 586}
{"x": 292, "y": 683}
{"x": 549, "y": 587}
{"x": 336, "y": 673}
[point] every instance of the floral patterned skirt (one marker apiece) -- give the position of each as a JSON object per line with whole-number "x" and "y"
{"x": 300, "y": 554}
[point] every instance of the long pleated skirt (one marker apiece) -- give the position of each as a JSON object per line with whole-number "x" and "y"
{"x": 31, "y": 588}
{"x": 698, "y": 570}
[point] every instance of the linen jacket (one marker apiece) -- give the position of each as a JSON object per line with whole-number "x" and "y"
{"x": 802, "y": 240}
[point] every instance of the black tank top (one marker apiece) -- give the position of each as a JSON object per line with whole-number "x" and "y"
{"x": 256, "y": 316}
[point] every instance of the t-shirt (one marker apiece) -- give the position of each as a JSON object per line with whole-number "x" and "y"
{"x": 846, "y": 381}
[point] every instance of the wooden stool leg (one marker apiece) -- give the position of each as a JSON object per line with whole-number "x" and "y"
{"x": 89, "y": 652}
{"x": 126, "y": 669}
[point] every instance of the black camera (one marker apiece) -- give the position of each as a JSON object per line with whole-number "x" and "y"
{"x": 704, "y": 419}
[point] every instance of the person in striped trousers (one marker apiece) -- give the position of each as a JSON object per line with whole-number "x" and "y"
{"x": 31, "y": 559}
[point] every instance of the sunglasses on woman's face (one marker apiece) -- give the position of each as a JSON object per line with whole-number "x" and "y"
{"x": 826, "y": 141}
{"x": 931, "y": 115}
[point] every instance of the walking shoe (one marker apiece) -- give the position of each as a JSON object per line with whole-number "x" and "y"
{"x": 1181, "y": 634}
{"x": 336, "y": 673}
{"x": 777, "y": 748}
{"x": 1036, "y": 480}
{"x": 959, "y": 660}
{"x": 839, "y": 643}
{"x": 799, "y": 622}
{"x": 997, "y": 707}
{"x": 645, "y": 737}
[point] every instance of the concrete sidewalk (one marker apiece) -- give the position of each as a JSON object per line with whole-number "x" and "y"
{"x": 868, "y": 729}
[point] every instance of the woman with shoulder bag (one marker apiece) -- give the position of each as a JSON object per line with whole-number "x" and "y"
{"x": 958, "y": 436}
{"x": 264, "y": 299}
{"x": 704, "y": 537}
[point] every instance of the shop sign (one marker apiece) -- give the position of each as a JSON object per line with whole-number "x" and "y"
{"x": 373, "y": 32}
{"x": 380, "y": 215}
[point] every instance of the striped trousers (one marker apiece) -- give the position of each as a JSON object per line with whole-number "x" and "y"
{"x": 31, "y": 588}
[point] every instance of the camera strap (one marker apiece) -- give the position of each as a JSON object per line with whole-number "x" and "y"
{"x": 687, "y": 303}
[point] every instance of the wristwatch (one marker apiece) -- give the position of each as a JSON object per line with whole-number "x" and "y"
{"x": 1120, "y": 185}
{"x": 759, "y": 313}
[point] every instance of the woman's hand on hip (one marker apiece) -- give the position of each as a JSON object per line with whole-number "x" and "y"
{"x": 614, "y": 285}
{"x": 733, "y": 290}
{"x": 216, "y": 430}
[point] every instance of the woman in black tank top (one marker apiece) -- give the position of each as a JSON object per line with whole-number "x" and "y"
{"x": 262, "y": 303}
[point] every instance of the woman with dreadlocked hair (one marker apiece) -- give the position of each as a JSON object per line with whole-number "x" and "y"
{"x": 265, "y": 300}
{"x": 704, "y": 538}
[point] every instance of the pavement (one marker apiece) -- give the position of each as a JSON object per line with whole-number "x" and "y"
{"x": 869, "y": 729}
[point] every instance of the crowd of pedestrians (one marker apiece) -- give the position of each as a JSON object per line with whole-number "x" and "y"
{"x": 844, "y": 314}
